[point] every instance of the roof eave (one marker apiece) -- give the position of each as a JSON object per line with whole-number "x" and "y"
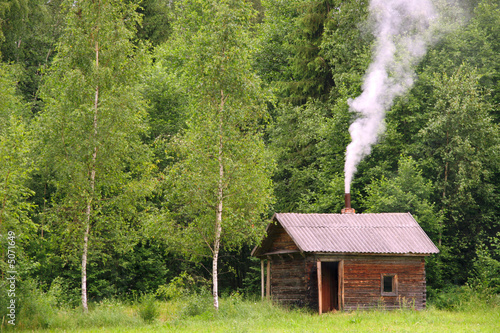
{"x": 370, "y": 254}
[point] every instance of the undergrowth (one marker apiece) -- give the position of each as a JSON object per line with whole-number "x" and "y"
{"x": 450, "y": 310}
{"x": 462, "y": 298}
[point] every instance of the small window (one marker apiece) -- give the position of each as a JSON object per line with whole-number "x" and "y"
{"x": 389, "y": 285}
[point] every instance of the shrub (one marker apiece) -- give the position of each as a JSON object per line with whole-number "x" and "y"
{"x": 486, "y": 279}
{"x": 197, "y": 304}
{"x": 179, "y": 286}
{"x": 148, "y": 309}
{"x": 37, "y": 309}
{"x": 453, "y": 298}
{"x": 232, "y": 306}
{"x": 4, "y": 303}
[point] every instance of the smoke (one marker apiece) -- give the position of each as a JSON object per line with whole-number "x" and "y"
{"x": 403, "y": 31}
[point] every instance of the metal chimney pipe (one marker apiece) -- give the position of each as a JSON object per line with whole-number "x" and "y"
{"x": 348, "y": 209}
{"x": 348, "y": 200}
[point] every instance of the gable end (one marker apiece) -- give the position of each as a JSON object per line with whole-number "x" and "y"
{"x": 277, "y": 241}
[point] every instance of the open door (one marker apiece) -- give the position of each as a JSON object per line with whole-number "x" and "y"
{"x": 329, "y": 286}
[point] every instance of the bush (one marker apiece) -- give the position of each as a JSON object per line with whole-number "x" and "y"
{"x": 462, "y": 298}
{"x": 37, "y": 309}
{"x": 197, "y": 304}
{"x": 486, "y": 279}
{"x": 180, "y": 286}
{"x": 148, "y": 309}
{"x": 4, "y": 303}
{"x": 106, "y": 313}
{"x": 232, "y": 306}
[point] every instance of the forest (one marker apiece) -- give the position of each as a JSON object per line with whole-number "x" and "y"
{"x": 145, "y": 145}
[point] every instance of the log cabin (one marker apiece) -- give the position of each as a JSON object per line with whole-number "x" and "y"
{"x": 345, "y": 261}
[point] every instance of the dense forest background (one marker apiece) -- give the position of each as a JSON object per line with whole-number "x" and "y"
{"x": 137, "y": 138}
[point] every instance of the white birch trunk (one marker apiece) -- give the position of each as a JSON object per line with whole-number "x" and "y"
{"x": 218, "y": 231}
{"x": 218, "y": 219}
{"x": 84, "y": 259}
{"x": 92, "y": 187}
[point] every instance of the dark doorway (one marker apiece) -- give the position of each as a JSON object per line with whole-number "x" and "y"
{"x": 330, "y": 286}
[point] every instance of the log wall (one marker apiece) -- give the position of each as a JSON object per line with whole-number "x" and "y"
{"x": 294, "y": 281}
{"x": 281, "y": 241}
{"x": 362, "y": 282}
{"x": 312, "y": 282}
{"x": 288, "y": 282}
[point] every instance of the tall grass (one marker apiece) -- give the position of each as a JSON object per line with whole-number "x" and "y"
{"x": 195, "y": 313}
{"x": 463, "y": 298}
{"x": 148, "y": 308}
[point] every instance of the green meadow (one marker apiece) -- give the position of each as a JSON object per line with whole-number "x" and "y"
{"x": 236, "y": 314}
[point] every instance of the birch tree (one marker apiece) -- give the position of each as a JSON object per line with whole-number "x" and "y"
{"x": 90, "y": 128}
{"x": 221, "y": 180}
{"x": 15, "y": 166}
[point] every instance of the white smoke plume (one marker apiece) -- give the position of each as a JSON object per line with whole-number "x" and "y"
{"x": 403, "y": 31}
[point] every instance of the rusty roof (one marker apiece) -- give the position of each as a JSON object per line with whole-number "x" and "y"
{"x": 384, "y": 233}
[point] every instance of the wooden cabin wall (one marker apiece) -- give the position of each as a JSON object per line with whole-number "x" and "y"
{"x": 312, "y": 283}
{"x": 288, "y": 280}
{"x": 294, "y": 281}
{"x": 280, "y": 240}
{"x": 362, "y": 282}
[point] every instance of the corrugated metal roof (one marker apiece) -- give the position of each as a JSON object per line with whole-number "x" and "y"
{"x": 357, "y": 233}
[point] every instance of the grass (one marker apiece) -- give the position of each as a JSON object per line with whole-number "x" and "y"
{"x": 237, "y": 315}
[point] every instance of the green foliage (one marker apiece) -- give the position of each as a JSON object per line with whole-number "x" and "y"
{"x": 313, "y": 49}
{"x": 196, "y": 305}
{"x": 458, "y": 149}
{"x": 308, "y": 143}
{"x": 31, "y": 29}
{"x": 276, "y": 42}
{"x": 219, "y": 185}
{"x": 15, "y": 167}
{"x": 451, "y": 299}
{"x": 486, "y": 279}
{"x": 66, "y": 124}
{"x": 346, "y": 45}
{"x": 462, "y": 298}
{"x": 251, "y": 284}
{"x": 167, "y": 103}
{"x": 167, "y": 108}
{"x": 89, "y": 134}
{"x": 294, "y": 137}
{"x": 225, "y": 110}
{"x": 148, "y": 308}
{"x": 312, "y": 72}
{"x": 178, "y": 287}
{"x": 38, "y": 308}
{"x": 407, "y": 191}
{"x": 477, "y": 44}
{"x": 16, "y": 164}
{"x": 155, "y": 26}
{"x": 328, "y": 53}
